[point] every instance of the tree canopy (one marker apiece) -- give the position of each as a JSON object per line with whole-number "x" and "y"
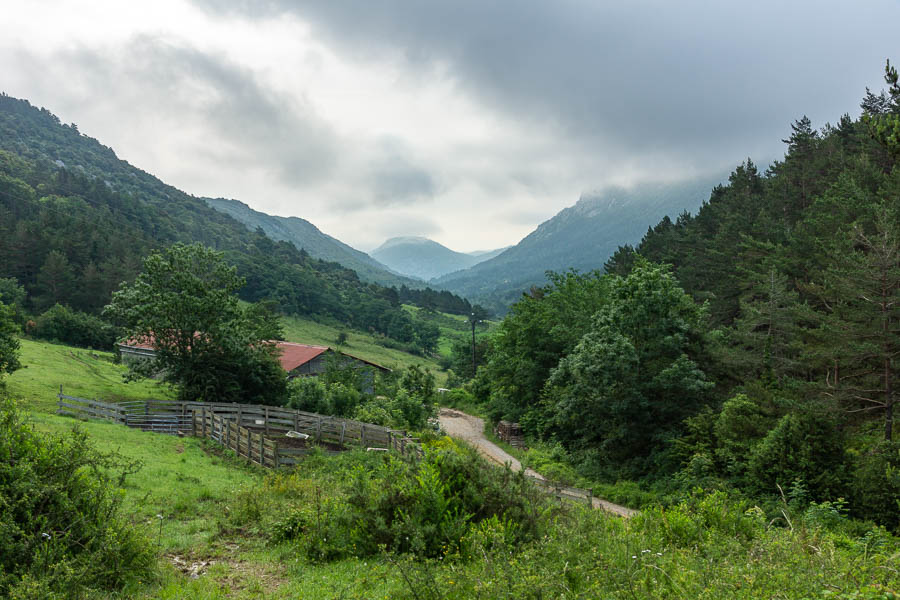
{"x": 184, "y": 303}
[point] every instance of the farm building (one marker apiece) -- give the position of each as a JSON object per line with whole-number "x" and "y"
{"x": 301, "y": 360}
{"x": 298, "y": 360}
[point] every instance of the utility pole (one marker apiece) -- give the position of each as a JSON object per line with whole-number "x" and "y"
{"x": 474, "y": 366}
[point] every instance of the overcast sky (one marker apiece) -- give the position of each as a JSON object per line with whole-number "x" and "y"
{"x": 467, "y": 121}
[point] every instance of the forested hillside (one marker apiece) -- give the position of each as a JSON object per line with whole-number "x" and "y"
{"x": 580, "y": 237}
{"x": 751, "y": 346}
{"x": 306, "y": 236}
{"x": 75, "y": 221}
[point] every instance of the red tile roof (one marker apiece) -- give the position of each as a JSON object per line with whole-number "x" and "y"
{"x": 293, "y": 355}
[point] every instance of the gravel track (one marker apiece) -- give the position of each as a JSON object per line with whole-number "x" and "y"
{"x": 471, "y": 430}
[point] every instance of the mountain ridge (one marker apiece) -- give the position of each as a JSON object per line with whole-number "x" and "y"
{"x": 581, "y": 237}
{"x": 306, "y": 236}
{"x": 423, "y": 258}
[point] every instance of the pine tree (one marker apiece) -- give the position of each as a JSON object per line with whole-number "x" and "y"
{"x": 862, "y": 294}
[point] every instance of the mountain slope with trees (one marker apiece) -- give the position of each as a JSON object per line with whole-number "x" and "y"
{"x": 750, "y": 347}
{"x": 580, "y": 237}
{"x": 76, "y": 221}
{"x": 306, "y": 236}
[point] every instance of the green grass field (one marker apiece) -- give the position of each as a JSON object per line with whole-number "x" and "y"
{"x": 82, "y": 373}
{"x": 360, "y": 344}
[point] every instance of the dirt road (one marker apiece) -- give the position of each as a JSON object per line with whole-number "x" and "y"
{"x": 471, "y": 429}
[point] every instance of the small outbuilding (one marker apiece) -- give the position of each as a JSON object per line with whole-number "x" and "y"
{"x": 298, "y": 360}
{"x": 303, "y": 360}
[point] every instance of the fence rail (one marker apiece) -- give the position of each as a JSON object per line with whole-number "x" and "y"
{"x": 252, "y": 431}
{"x": 181, "y": 418}
{"x": 564, "y": 492}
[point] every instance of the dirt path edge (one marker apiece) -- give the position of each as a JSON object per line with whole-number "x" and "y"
{"x": 470, "y": 429}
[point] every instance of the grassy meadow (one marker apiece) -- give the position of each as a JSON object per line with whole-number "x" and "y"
{"x": 358, "y": 343}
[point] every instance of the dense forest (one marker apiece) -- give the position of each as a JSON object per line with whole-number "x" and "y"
{"x": 750, "y": 346}
{"x": 76, "y": 221}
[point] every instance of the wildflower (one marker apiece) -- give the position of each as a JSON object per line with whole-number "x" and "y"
{"x": 46, "y": 536}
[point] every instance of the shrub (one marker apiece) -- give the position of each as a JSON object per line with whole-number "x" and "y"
{"x": 804, "y": 446}
{"x": 876, "y": 485}
{"x": 428, "y": 508}
{"x": 61, "y": 530}
{"x": 307, "y": 393}
{"x": 62, "y": 324}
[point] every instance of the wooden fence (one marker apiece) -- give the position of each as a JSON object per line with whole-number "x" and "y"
{"x": 564, "y": 492}
{"x": 252, "y": 431}
{"x": 166, "y": 416}
{"x": 254, "y": 446}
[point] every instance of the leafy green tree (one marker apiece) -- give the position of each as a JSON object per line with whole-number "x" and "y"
{"x": 543, "y": 326}
{"x": 184, "y": 302}
{"x": 882, "y": 113}
{"x": 13, "y": 295}
{"x": 9, "y": 343}
{"x": 634, "y": 377}
{"x": 461, "y": 356}
{"x": 803, "y": 446}
{"x": 61, "y": 324}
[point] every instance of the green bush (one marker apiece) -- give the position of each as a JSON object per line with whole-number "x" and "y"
{"x": 430, "y": 508}
{"x": 803, "y": 446}
{"x": 876, "y": 485}
{"x": 308, "y": 394}
{"x": 62, "y": 324}
{"x": 61, "y": 530}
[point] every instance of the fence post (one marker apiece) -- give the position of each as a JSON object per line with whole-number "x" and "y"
{"x": 343, "y": 429}
{"x": 266, "y": 420}
{"x": 262, "y": 456}
{"x": 193, "y": 422}
{"x": 203, "y": 421}
{"x": 362, "y": 436}
{"x": 146, "y": 408}
{"x": 240, "y": 417}
{"x": 319, "y": 428}
{"x": 296, "y": 421}
{"x": 228, "y": 434}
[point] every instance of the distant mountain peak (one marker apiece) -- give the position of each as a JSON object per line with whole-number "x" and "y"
{"x": 420, "y": 257}
{"x": 406, "y": 239}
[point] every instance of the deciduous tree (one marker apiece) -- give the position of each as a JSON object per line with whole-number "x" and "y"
{"x": 184, "y": 302}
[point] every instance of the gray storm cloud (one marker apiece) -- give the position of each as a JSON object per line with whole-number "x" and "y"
{"x": 708, "y": 81}
{"x": 241, "y": 122}
{"x": 469, "y": 120}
